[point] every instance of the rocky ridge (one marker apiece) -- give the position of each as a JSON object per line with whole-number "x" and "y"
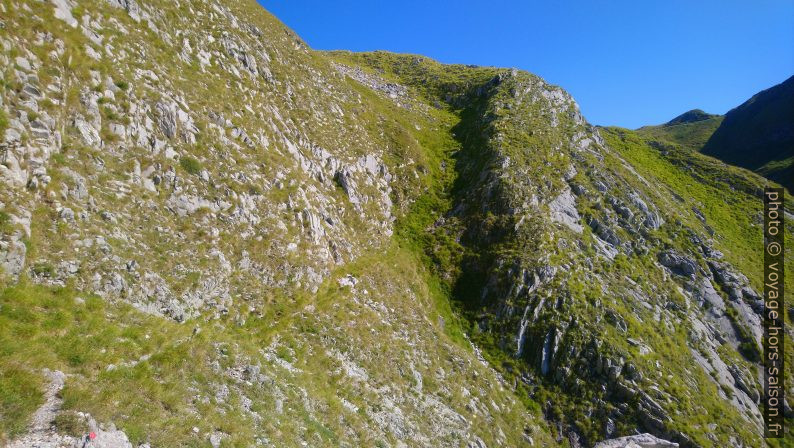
{"x": 465, "y": 259}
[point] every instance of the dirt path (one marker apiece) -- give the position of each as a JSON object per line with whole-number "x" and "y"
{"x": 42, "y": 432}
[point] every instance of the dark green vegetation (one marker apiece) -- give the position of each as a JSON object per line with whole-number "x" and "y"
{"x": 3, "y": 121}
{"x": 691, "y": 116}
{"x": 20, "y": 395}
{"x": 189, "y": 164}
{"x": 759, "y": 135}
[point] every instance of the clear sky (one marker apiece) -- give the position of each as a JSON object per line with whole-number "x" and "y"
{"x": 627, "y": 62}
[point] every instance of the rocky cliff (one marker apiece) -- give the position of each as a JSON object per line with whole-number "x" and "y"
{"x": 216, "y": 236}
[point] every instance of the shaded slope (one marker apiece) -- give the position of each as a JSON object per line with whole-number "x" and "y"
{"x": 759, "y": 134}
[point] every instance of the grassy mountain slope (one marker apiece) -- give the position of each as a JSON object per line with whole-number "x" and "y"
{"x": 492, "y": 246}
{"x": 687, "y": 134}
{"x": 202, "y": 165}
{"x": 224, "y": 238}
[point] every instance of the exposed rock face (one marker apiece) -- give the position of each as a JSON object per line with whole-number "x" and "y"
{"x": 12, "y": 254}
{"x": 638, "y": 441}
{"x": 678, "y": 264}
{"x": 563, "y": 210}
{"x": 150, "y": 123}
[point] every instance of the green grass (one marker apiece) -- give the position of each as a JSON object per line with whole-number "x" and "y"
{"x": 729, "y": 197}
{"x": 690, "y": 136}
{"x": 5, "y": 222}
{"x": 20, "y": 396}
{"x": 190, "y": 165}
{"x": 3, "y": 122}
{"x": 48, "y": 328}
{"x": 429, "y": 277}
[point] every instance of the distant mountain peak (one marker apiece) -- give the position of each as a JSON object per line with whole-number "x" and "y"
{"x": 690, "y": 116}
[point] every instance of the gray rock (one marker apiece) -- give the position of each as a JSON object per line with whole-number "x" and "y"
{"x": 12, "y": 254}
{"x": 578, "y": 189}
{"x": 631, "y": 372}
{"x": 614, "y": 372}
{"x": 215, "y": 439}
{"x": 23, "y": 63}
{"x": 78, "y": 190}
{"x": 642, "y": 347}
{"x": 677, "y": 263}
{"x": 118, "y": 130}
{"x": 167, "y": 118}
{"x": 184, "y": 205}
{"x": 600, "y": 186}
{"x": 637, "y": 441}
{"x": 653, "y": 221}
{"x": 66, "y": 214}
{"x": 549, "y": 347}
{"x": 725, "y": 276}
{"x": 109, "y": 437}
{"x": 609, "y": 427}
{"x": 130, "y": 6}
{"x": 345, "y": 180}
{"x": 39, "y": 129}
{"x": 563, "y": 210}
{"x": 477, "y": 443}
{"x": 63, "y": 11}
{"x": 709, "y": 298}
{"x": 615, "y": 319}
{"x": 392, "y": 90}
{"x": 87, "y": 131}
{"x": 31, "y": 92}
{"x": 742, "y": 383}
{"x": 12, "y": 135}
{"x": 604, "y": 232}
{"x": 625, "y": 212}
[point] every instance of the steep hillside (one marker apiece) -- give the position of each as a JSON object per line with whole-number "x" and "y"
{"x": 575, "y": 269}
{"x": 212, "y": 235}
{"x": 759, "y": 135}
{"x": 194, "y": 162}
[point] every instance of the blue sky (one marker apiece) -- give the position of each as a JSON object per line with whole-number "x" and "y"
{"x": 627, "y": 63}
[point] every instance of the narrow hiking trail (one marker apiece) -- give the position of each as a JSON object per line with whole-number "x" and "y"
{"x": 43, "y": 432}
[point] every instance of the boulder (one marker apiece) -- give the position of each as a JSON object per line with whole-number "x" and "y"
{"x": 678, "y": 264}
